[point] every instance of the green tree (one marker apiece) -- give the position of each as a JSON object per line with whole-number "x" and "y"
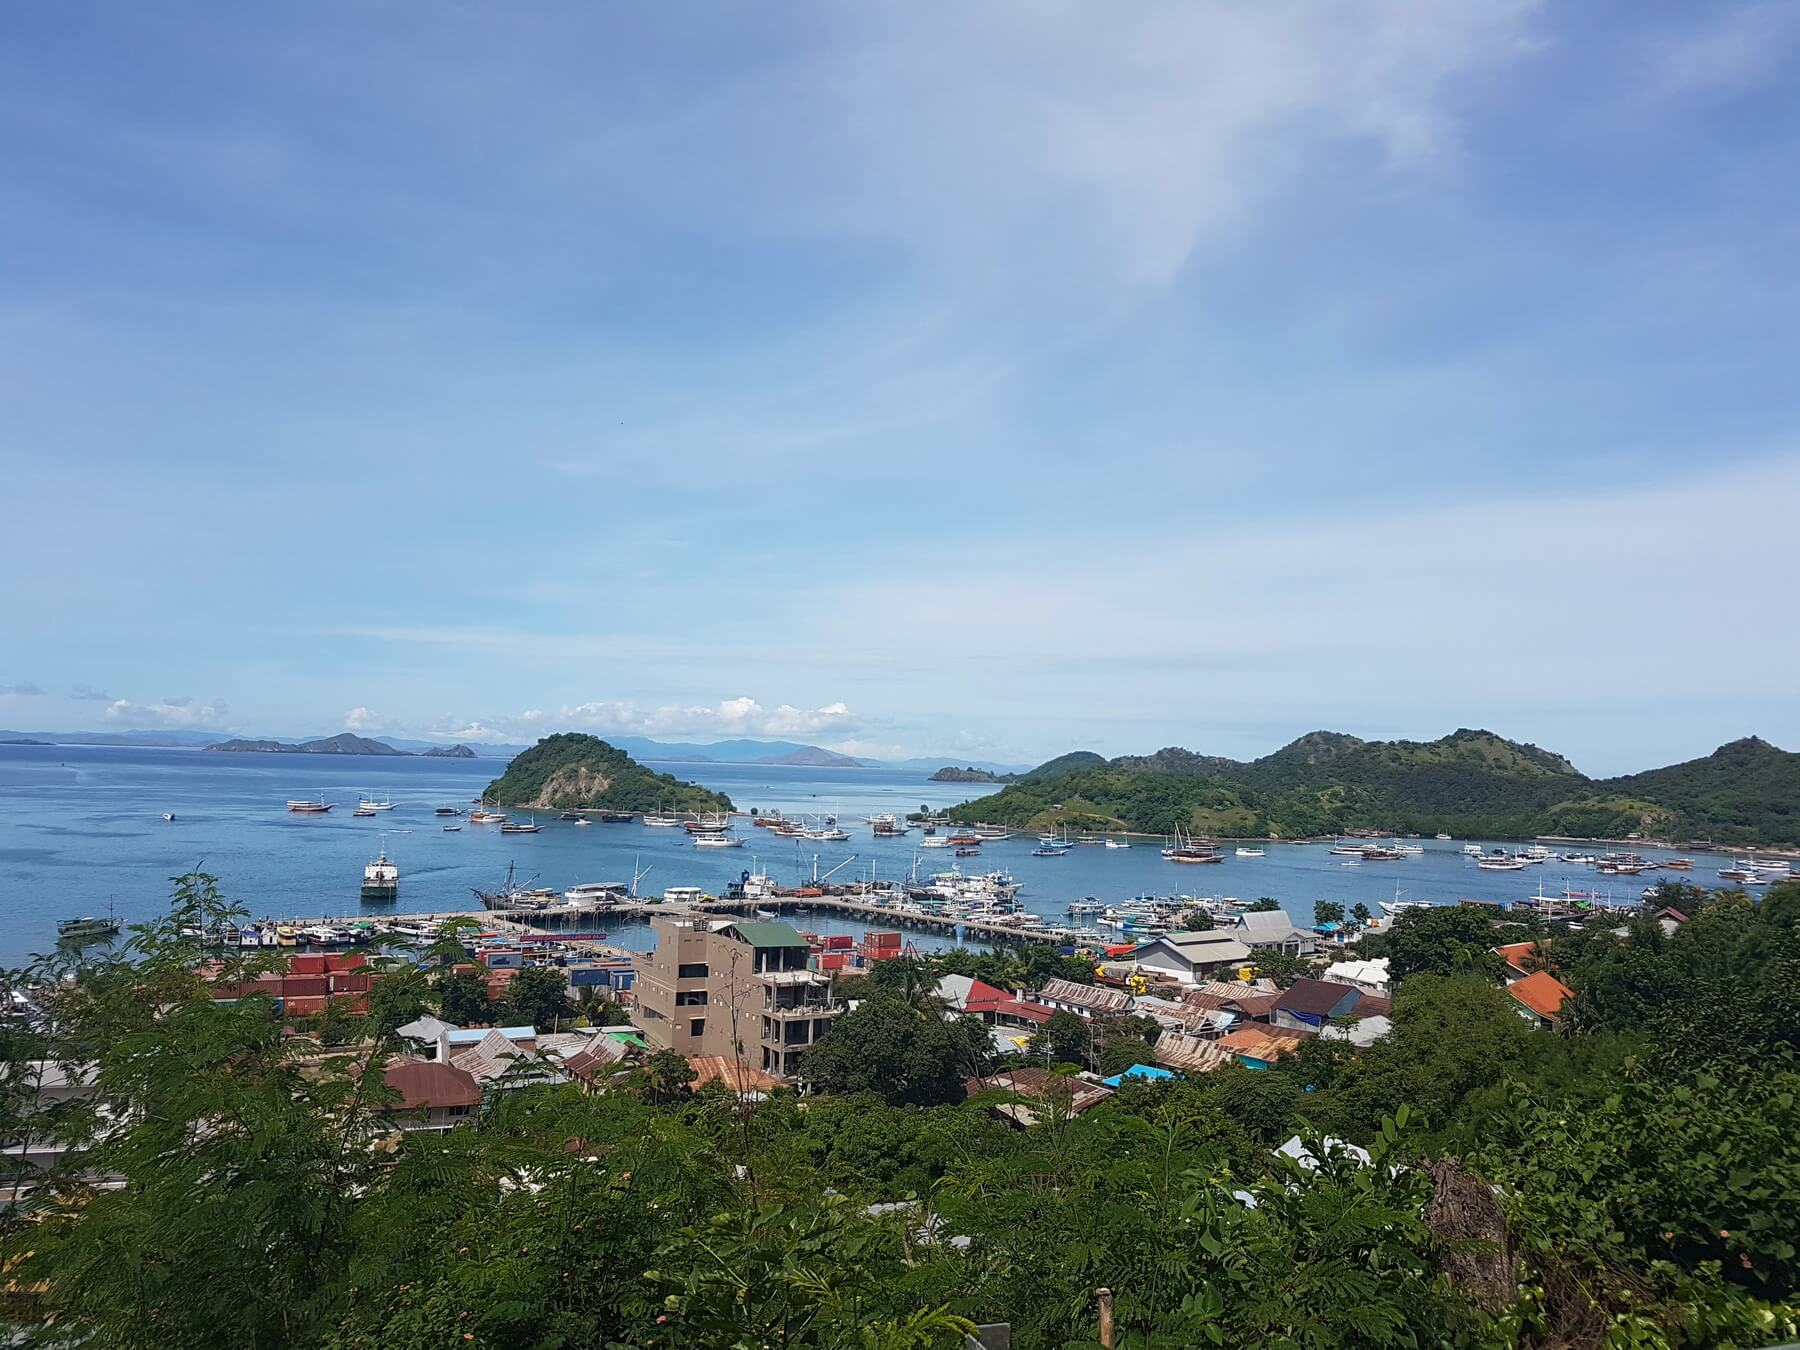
{"x": 540, "y": 995}
{"x": 397, "y": 997}
{"x": 1327, "y": 911}
{"x": 463, "y": 998}
{"x": 1441, "y": 940}
{"x": 1262, "y": 905}
{"x": 668, "y": 1078}
{"x": 1063, "y": 1039}
{"x": 1360, "y": 913}
{"x": 908, "y": 1055}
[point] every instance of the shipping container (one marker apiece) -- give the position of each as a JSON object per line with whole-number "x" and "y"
{"x": 303, "y": 1007}
{"x": 305, "y": 986}
{"x": 838, "y": 942}
{"x": 307, "y": 965}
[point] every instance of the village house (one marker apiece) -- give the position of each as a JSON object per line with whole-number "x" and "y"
{"x": 1273, "y": 930}
{"x": 1539, "y": 998}
{"x": 1043, "y": 1090}
{"x": 434, "y": 1097}
{"x": 1309, "y": 1004}
{"x": 1085, "y": 1000}
{"x": 1192, "y": 957}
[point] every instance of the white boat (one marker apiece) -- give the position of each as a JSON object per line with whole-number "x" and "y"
{"x": 993, "y": 836}
{"x": 1474, "y": 850}
{"x": 1444, "y": 837}
{"x": 661, "y": 822}
{"x": 1118, "y": 843}
{"x": 1396, "y": 906}
{"x": 517, "y": 827}
{"x": 309, "y": 808}
{"x": 363, "y": 811}
{"x": 370, "y": 804}
{"x": 717, "y": 841}
{"x": 1250, "y": 853}
{"x": 938, "y": 842}
{"x": 451, "y": 829}
{"x": 1501, "y": 864}
{"x": 590, "y": 893}
{"x": 168, "y": 815}
{"x": 381, "y": 879}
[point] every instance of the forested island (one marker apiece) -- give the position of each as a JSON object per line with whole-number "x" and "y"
{"x": 951, "y": 774}
{"x": 1473, "y": 784}
{"x": 344, "y": 743}
{"x": 572, "y": 771}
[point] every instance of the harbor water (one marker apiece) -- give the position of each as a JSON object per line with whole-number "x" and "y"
{"x": 81, "y": 832}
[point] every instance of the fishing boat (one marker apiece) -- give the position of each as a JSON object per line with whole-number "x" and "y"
{"x": 451, "y": 829}
{"x": 519, "y": 827}
{"x": 85, "y": 929}
{"x": 717, "y": 841}
{"x": 381, "y": 879}
{"x": 307, "y": 808}
{"x": 1250, "y": 853}
{"x": 363, "y": 811}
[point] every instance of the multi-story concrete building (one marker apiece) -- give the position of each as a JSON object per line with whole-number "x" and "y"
{"x": 732, "y": 988}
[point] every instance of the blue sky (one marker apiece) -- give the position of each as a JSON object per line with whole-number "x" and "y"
{"x": 986, "y": 380}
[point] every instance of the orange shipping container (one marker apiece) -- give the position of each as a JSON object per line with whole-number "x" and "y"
{"x": 838, "y": 942}
{"x": 307, "y": 965}
{"x": 303, "y": 1007}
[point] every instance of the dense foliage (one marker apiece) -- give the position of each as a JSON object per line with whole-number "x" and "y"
{"x": 1470, "y": 783}
{"x": 1633, "y": 1183}
{"x": 571, "y": 770}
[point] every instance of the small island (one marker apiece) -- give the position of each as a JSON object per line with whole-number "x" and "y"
{"x": 448, "y": 752}
{"x": 573, "y": 771}
{"x": 951, "y": 774}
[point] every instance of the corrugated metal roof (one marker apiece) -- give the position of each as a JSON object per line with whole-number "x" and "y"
{"x": 1085, "y": 996}
{"x": 762, "y": 934}
{"x": 425, "y": 1083}
{"x": 1190, "y": 1054}
{"x": 736, "y": 1077}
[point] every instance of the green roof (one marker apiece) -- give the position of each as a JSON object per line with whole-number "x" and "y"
{"x": 768, "y": 935}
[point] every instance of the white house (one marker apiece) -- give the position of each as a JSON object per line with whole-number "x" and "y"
{"x": 1273, "y": 930}
{"x": 1369, "y": 976}
{"x": 1191, "y": 957}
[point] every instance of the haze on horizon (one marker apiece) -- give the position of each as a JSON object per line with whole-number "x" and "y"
{"x": 986, "y": 381}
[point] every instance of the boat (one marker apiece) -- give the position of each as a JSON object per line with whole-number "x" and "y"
{"x": 516, "y": 827}
{"x": 168, "y": 815}
{"x": 451, "y": 829}
{"x": 285, "y": 936}
{"x": 993, "y": 836}
{"x": 363, "y": 811}
{"x": 270, "y": 936}
{"x": 250, "y": 936}
{"x": 968, "y": 851}
{"x": 964, "y": 839}
{"x": 448, "y": 811}
{"x": 1395, "y": 907}
{"x": 1351, "y": 862}
{"x": 371, "y": 804}
{"x": 590, "y": 893}
{"x": 1250, "y": 853}
{"x": 307, "y": 808}
{"x": 887, "y": 826}
{"x": 86, "y": 928}
{"x": 486, "y": 817}
{"x": 1118, "y": 843}
{"x": 939, "y": 842}
{"x": 658, "y": 821}
{"x": 1049, "y": 851}
{"x": 1474, "y": 850}
{"x": 1443, "y": 837}
{"x": 717, "y": 841}
{"x": 570, "y": 815}
{"x": 1500, "y": 864}
{"x": 708, "y": 824}
{"x": 381, "y": 879}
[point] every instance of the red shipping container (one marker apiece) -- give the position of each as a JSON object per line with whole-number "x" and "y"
{"x": 307, "y": 965}
{"x": 303, "y": 1007}
{"x": 336, "y": 961}
{"x": 834, "y": 960}
{"x": 881, "y": 939}
{"x": 838, "y": 943}
{"x": 352, "y": 1003}
{"x": 350, "y": 982}
{"x": 305, "y": 986}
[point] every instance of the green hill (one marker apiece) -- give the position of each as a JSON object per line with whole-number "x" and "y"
{"x": 572, "y": 770}
{"x": 1470, "y": 783}
{"x": 1072, "y": 762}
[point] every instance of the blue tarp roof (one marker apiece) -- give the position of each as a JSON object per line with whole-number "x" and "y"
{"x": 1149, "y": 1071}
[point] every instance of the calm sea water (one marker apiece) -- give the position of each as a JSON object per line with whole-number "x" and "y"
{"x": 81, "y": 828}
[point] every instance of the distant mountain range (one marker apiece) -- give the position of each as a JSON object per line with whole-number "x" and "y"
{"x": 344, "y": 743}
{"x": 1472, "y": 784}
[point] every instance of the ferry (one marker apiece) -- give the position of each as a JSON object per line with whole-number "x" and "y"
{"x": 887, "y": 826}
{"x": 381, "y": 879}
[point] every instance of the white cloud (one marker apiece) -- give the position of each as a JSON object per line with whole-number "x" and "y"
{"x": 728, "y": 718}
{"x": 362, "y": 719}
{"x": 176, "y": 713}
{"x": 24, "y": 689}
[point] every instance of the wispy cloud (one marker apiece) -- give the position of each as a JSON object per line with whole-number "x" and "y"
{"x": 728, "y": 718}
{"x": 86, "y": 693}
{"x": 24, "y": 689}
{"x": 178, "y": 713}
